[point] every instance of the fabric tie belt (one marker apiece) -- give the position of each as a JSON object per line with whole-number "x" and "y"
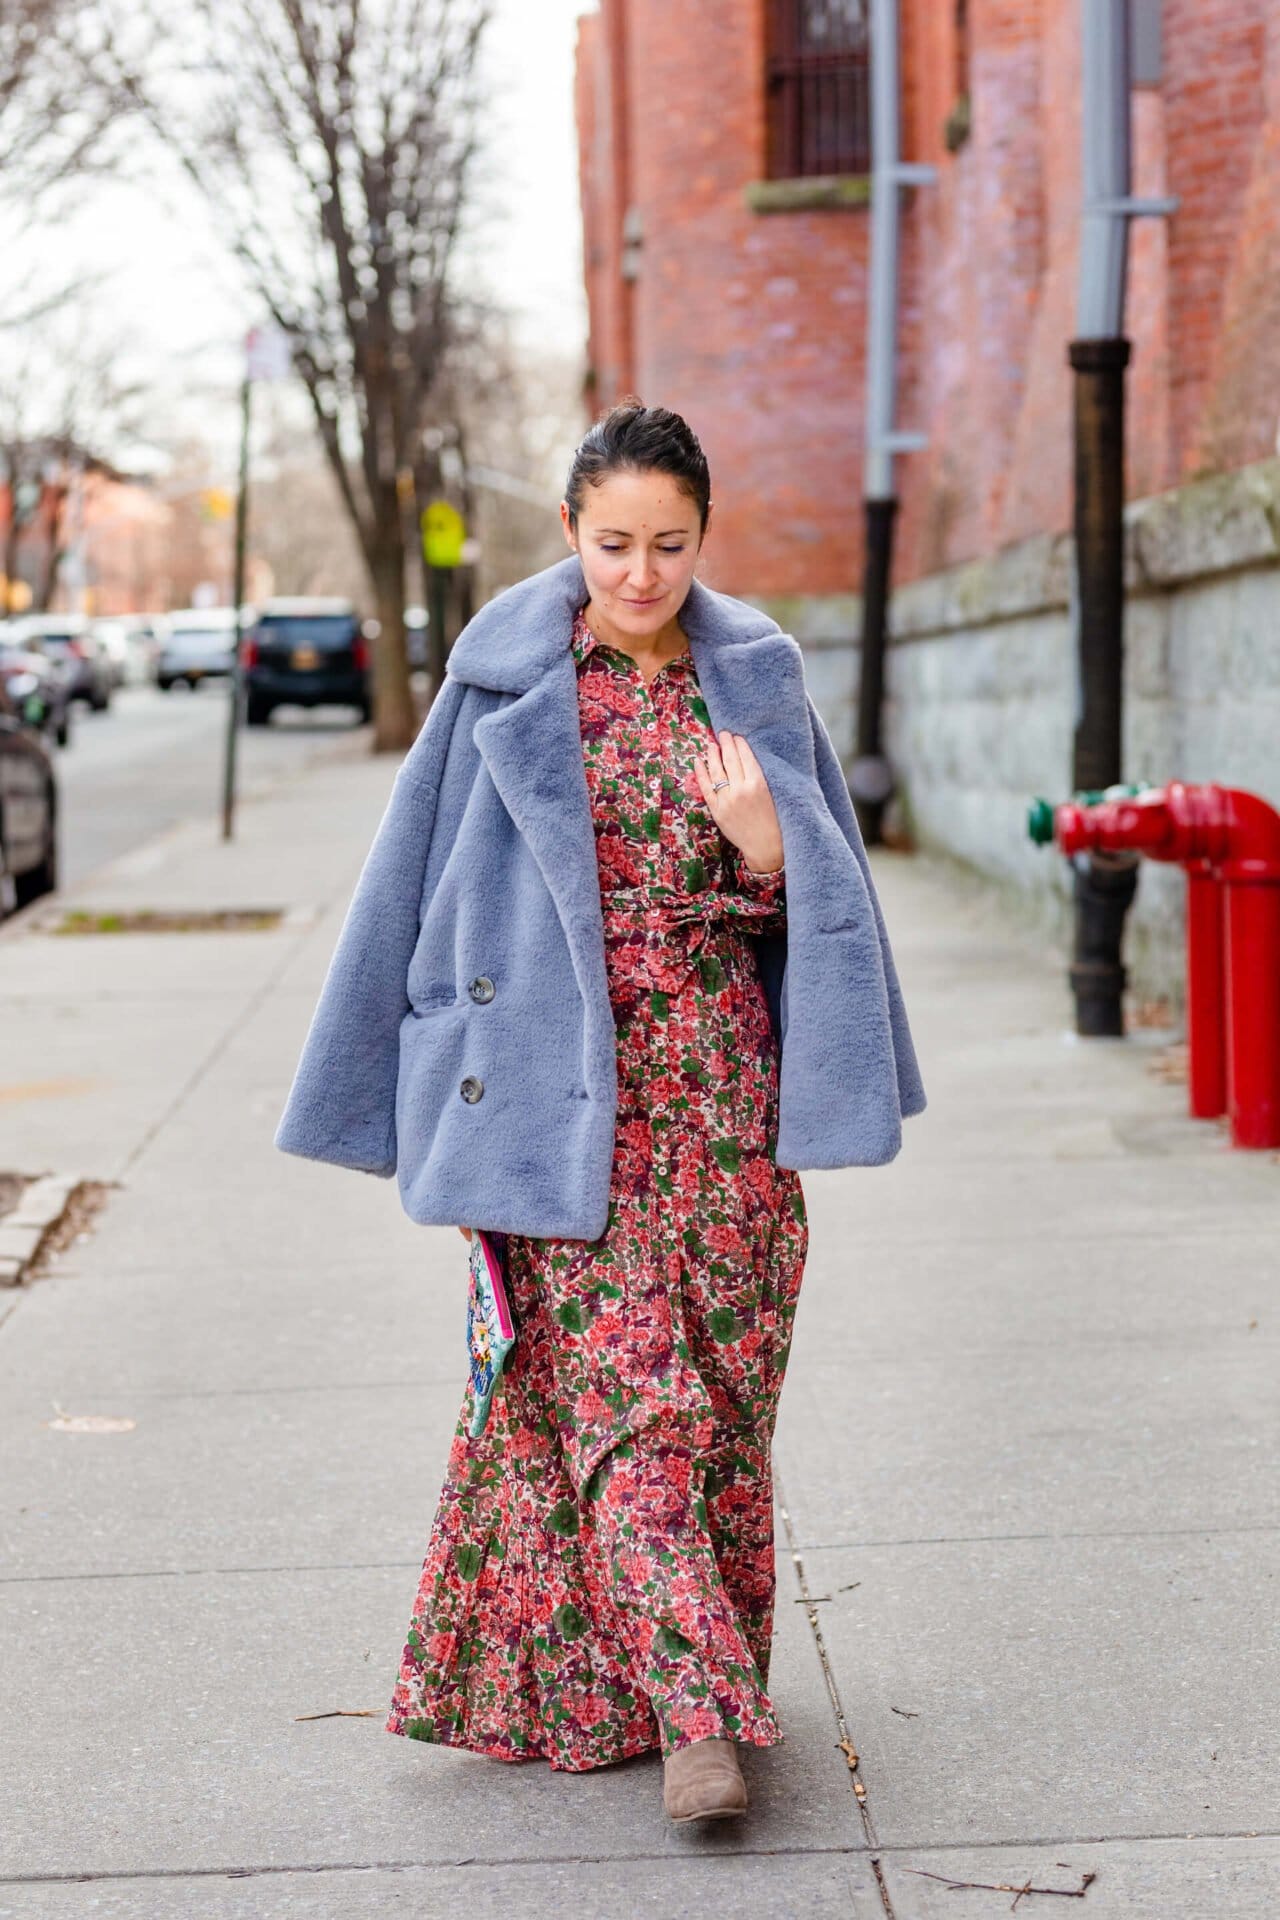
{"x": 668, "y": 931}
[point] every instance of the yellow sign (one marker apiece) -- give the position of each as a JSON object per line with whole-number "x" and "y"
{"x": 443, "y": 532}
{"x": 216, "y": 503}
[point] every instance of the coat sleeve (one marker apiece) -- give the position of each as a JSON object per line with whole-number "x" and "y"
{"x": 341, "y": 1107}
{"x": 835, "y": 790}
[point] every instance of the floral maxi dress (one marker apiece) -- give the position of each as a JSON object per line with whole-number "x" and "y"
{"x": 600, "y": 1574}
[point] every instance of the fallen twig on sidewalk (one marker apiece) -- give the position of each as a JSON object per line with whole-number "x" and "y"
{"x": 1007, "y": 1886}
{"x": 341, "y": 1713}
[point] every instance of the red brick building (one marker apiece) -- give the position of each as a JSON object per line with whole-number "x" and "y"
{"x": 723, "y": 173}
{"x": 748, "y": 322}
{"x": 725, "y": 284}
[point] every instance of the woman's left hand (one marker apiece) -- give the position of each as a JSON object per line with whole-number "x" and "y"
{"x": 744, "y": 810}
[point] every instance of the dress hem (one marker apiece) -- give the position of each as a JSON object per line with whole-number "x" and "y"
{"x": 776, "y": 1738}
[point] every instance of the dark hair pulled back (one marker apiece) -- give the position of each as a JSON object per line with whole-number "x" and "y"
{"x": 633, "y": 438}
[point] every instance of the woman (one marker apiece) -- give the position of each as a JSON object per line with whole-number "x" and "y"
{"x": 599, "y": 1578}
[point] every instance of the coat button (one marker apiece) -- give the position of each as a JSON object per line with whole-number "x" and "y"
{"x": 481, "y": 987}
{"x": 471, "y": 1088}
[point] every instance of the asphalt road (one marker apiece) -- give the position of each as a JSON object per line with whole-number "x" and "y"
{"x": 154, "y": 759}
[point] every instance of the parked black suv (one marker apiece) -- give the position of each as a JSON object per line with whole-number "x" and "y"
{"x": 305, "y": 653}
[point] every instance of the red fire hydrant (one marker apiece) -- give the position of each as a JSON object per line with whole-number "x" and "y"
{"x": 1228, "y": 843}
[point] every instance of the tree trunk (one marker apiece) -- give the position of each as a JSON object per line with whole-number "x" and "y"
{"x": 395, "y": 720}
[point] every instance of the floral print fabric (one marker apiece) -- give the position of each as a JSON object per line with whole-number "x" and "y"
{"x": 600, "y": 1576}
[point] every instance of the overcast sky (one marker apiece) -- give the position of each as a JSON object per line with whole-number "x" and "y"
{"x": 173, "y": 302}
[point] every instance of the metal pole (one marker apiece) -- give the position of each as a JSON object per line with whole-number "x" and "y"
{"x": 237, "y": 600}
{"x": 871, "y": 779}
{"x": 1097, "y": 752}
{"x": 437, "y": 653}
{"x": 882, "y": 292}
{"x": 1105, "y": 884}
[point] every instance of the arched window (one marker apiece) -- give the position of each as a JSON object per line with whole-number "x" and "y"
{"x": 818, "y": 106}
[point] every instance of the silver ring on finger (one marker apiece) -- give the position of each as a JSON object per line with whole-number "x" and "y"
{"x": 717, "y": 784}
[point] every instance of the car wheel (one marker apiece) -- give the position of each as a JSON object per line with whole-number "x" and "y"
{"x": 257, "y": 712}
{"x": 62, "y": 733}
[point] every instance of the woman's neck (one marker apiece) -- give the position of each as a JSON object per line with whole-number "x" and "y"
{"x": 651, "y": 651}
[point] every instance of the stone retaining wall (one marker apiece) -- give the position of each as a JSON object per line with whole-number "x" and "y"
{"x": 981, "y": 691}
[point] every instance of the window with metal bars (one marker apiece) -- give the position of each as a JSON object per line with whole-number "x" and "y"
{"x": 819, "y": 110}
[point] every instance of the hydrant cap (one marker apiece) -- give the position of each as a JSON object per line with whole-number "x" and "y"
{"x": 1040, "y": 821}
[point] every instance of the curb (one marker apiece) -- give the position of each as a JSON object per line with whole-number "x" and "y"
{"x": 345, "y": 748}
{"x": 23, "y": 1232}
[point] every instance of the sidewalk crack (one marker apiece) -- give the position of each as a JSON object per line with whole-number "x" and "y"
{"x": 845, "y": 1743}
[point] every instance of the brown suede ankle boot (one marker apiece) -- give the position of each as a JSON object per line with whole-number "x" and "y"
{"x": 703, "y": 1781}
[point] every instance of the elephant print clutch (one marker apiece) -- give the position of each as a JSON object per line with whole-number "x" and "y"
{"x": 491, "y": 1331}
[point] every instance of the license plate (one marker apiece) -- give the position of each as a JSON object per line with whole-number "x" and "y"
{"x": 305, "y": 658}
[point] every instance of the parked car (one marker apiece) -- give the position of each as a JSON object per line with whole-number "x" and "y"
{"x": 129, "y": 642}
{"x": 195, "y": 644}
{"x": 306, "y": 652}
{"x": 67, "y": 639}
{"x": 40, "y": 692}
{"x": 28, "y": 812}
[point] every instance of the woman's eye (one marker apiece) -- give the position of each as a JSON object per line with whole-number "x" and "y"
{"x": 606, "y": 548}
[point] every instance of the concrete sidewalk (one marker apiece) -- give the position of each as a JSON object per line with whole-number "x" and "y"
{"x": 1028, "y": 1544}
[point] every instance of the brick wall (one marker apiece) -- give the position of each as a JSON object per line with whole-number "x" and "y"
{"x": 750, "y": 324}
{"x": 992, "y": 260}
{"x": 753, "y": 323}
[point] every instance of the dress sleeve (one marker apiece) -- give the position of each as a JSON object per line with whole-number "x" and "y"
{"x": 760, "y": 898}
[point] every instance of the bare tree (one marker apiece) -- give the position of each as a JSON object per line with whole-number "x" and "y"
{"x": 301, "y": 530}
{"x": 334, "y": 141}
{"x": 62, "y": 404}
{"x": 505, "y": 420}
{"x": 51, "y": 130}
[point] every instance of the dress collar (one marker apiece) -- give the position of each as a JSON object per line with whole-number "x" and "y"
{"x": 584, "y": 643}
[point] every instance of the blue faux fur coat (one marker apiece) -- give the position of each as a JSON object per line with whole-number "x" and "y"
{"x": 464, "y": 1038}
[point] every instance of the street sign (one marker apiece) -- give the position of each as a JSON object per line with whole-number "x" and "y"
{"x": 268, "y": 354}
{"x": 444, "y": 533}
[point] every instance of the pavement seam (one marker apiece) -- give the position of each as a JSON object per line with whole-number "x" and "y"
{"x": 856, "y": 1782}
{"x": 609, "y": 1859}
{"x": 806, "y": 1600}
{"x": 205, "y": 1573}
{"x": 690, "y": 1859}
{"x": 1067, "y": 1533}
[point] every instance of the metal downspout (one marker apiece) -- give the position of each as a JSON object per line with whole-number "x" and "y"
{"x": 870, "y": 778}
{"x": 1104, "y": 884}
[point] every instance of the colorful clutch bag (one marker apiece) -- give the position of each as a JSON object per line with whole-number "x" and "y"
{"x": 491, "y": 1329}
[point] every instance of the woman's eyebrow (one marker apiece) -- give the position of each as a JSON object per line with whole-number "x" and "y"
{"x": 626, "y": 531}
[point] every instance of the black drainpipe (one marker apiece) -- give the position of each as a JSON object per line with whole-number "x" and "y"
{"x": 1105, "y": 884}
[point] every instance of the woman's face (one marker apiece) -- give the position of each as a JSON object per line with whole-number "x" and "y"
{"x": 638, "y": 540}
